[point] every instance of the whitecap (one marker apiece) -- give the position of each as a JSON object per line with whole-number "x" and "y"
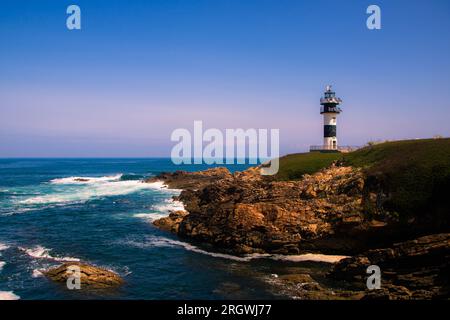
{"x": 87, "y": 191}
{"x": 40, "y": 252}
{"x": 2, "y": 264}
{"x": 3, "y": 246}
{"x": 86, "y": 180}
{"x": 8, "y": 295}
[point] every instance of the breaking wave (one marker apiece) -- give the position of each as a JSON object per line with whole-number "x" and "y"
{"x": 150, "y": 217}
{"x": 40, "y": 252}
{"x": 162, "y": 210}
{"x": 82, "y": 189}
{"x": 86, "y": 180}
{"x": 169, "y": 205}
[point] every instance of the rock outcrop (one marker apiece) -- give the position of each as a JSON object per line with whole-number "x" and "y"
{"x": 90, "y": 276}
{"x": 172, "y": 222}
{"x": 243, "y": 212}
{"x": 415, "y": 269}
{"x": 191, "y": 180}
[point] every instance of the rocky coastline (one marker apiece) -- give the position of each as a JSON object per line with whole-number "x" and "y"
{"x": 337, "y": 210}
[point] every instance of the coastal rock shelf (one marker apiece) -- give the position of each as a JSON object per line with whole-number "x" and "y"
{"x": 415, "y": 269}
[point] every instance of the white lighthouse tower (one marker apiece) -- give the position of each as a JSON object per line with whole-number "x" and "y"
{"x": 330, "y": 110}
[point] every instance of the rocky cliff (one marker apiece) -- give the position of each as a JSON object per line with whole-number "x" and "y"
{"x": 245, "y": 212}
{"x": 339, "y": 209}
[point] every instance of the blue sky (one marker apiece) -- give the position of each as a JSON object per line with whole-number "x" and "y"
{"x": 140, "y": 69}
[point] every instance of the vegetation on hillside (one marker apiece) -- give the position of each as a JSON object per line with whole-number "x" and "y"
{"x": 294, "y": 166}
{"x": 414, "y": 175}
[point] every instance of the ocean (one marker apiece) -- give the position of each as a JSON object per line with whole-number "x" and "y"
{"x": 50, "y": 214}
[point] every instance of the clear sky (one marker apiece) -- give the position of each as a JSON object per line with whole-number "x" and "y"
{"x": 137, "y": 70}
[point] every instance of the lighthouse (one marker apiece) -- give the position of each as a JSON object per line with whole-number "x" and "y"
{"x": 330, "y": 110}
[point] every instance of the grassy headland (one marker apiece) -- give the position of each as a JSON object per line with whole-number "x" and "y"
{"x": 294, "y": 166}
{"x": 413, "y": 175}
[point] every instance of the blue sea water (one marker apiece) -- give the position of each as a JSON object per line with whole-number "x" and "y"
{"x": 99, "y": 211}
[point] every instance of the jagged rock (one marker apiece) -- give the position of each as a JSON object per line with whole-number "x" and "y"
{"x": 243, "y": 212}
{"x": 91, "y": 276}
{"x": 191, "y": 180}
{"x": 415, "y": 269}
{"x": 303, "y": 286}
{"x": 172, "y": 222}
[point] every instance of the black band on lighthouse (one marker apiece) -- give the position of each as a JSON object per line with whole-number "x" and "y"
{"x": 329, "y": 131}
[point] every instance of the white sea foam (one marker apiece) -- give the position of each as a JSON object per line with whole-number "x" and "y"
{"x": 154, "y": 241}
{"x": 86, "y": 180}
{"x": 2, "y": 247}
{"x": 93, "y": 188}
{"x": 8, "y": 295}
{"x": 149, "y": 216}
{"x": 163, "y": 210}
{"x": 309, "y": 257}
{"x": 159, "y": 185}
{"x": 37, "y": 273}
{"x": 169, "y": 205}
{"x": 40, "y": 252}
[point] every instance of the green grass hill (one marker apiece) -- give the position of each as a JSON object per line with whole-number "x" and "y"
{"x": 414, "y": 174}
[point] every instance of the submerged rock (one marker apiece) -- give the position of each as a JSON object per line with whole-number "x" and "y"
{"x": 90, "y": 276}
